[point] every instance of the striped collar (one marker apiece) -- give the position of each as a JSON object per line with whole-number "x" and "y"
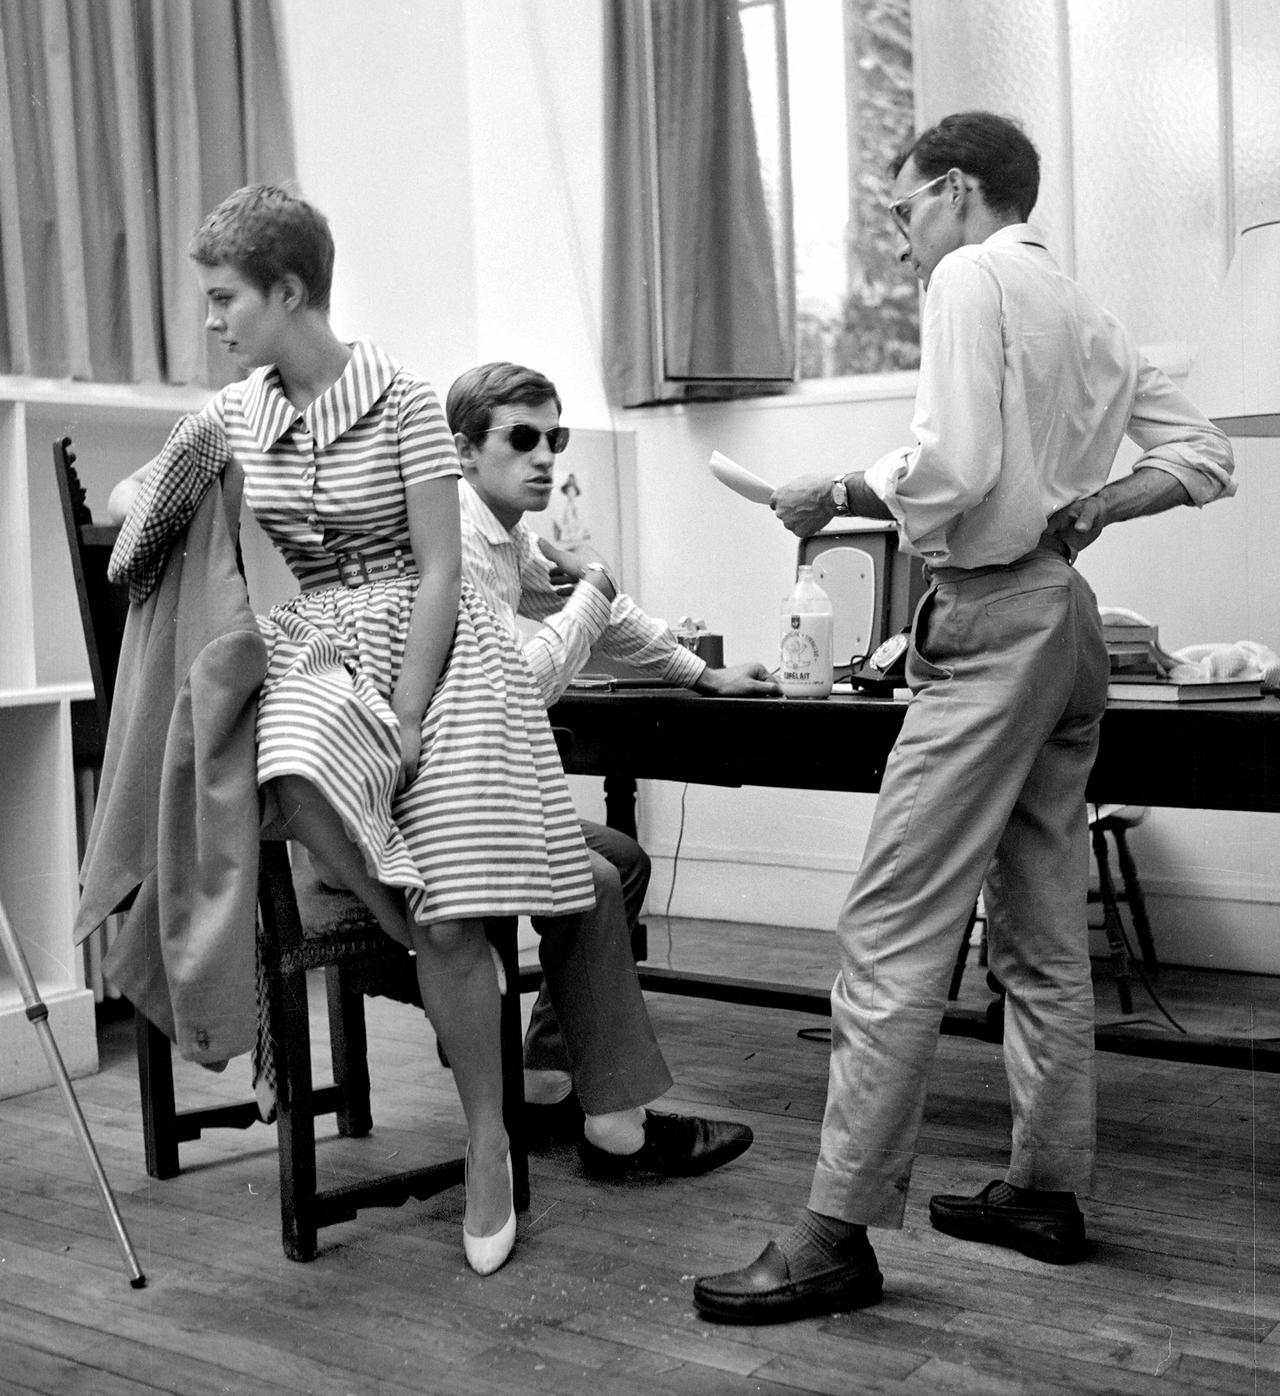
{"x": 477, "y": 514}
{"x": 364, "y": 380}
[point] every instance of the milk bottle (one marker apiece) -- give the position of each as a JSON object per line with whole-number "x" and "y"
{"x": 804, "y": 669}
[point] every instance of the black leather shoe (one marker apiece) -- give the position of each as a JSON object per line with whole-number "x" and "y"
{"x": 1047, "y": 1226}
{"x": 547, "y": 1125}
{"x": 675, "y": 1146}
{"x": 766, "y": 1291}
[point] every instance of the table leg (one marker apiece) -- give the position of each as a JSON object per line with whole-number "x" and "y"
{"x": 620, "y": 804}
{"x": 620, "y": 814}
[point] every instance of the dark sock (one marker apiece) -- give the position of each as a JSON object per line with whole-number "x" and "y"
{"x": 817, "y": 1241}
{"x": 1009, "y": 1195}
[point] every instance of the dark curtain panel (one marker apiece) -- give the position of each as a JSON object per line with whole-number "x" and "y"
{"x": 691, "y": 284}
{"x": 127, "y": 120}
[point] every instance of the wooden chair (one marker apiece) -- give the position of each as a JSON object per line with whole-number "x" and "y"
{"x": 333, "y": 931}
{"x": 1115, "y": 820}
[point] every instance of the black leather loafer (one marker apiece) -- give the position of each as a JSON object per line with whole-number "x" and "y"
{"x": 1046, "y": 1226}
{"x": 766, "y": 1292}
{"x": 675, "y": 1146}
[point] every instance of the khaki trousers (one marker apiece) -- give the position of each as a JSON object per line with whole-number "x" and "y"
{"x": 1009, "y": 673}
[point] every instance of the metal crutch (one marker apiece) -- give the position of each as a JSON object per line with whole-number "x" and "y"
{"x": 39, "y": 1016}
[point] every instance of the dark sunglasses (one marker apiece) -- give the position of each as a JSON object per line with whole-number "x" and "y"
{"x": 524, "y": 438}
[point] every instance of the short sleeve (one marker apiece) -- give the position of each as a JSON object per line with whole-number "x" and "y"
{"x": 426, "y": 445}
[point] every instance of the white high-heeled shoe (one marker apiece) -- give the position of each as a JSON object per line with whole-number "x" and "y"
{"x": 486, "y": 1253}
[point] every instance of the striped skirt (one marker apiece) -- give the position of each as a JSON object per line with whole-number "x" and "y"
{"x": 487, "y": 827}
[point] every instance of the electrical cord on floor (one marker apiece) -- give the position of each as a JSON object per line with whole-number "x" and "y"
{"x": 1141, "y": 972}
{"x": 675, "y": 865}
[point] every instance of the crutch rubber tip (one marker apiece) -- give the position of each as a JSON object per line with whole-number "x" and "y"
{"x": 139, "y": 1283}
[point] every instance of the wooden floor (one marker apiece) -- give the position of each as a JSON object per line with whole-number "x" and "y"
{"x": 1182, "y": 1294}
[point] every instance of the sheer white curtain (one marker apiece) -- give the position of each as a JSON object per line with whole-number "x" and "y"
{"x": 124, "y": 122}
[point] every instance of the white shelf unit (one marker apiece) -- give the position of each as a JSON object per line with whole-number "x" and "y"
{"x": 43, "y": 669}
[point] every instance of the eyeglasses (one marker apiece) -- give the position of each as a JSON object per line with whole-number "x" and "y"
{"x": 900, "y": 209}
{"x": 524, "y": 438}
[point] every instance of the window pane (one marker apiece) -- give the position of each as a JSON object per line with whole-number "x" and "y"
{"x": 1005, "y": 56}
{"x": 852, "y": 107}
{"x": 1147, "y": 143}
{"x": 1255, "y": 63}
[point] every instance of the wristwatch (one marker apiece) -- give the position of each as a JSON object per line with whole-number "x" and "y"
{"x": 840, "y": 496}
{"x": 603, "y": 570}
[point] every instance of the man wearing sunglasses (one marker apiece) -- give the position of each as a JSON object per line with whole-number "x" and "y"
{"x": 1026, "y": 390}
{"x": 592, "y": 1062}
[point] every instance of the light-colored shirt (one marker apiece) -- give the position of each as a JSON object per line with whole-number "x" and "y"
{"x": 514, "y": 577}
{"x": 1026, "y": 390}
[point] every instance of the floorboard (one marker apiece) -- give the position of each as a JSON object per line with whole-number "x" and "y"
{"x": 1182, "y": 1294}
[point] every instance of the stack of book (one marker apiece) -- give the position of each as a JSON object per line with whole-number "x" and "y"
{"x": 1159, "y": 689}
{"x": 1133, "y": 648}
{"x": 1142, "y": 672}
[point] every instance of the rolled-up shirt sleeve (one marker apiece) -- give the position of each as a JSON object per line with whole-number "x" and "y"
{"x": 647, "y": 645}
{"x": 572, "y": 628}
{"x": 1176, "y": 438}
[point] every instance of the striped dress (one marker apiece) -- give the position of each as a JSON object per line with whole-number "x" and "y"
{"x": 487, "y": 827}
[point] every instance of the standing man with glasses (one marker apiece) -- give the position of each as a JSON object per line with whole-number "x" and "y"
{"x": 592, "y": 1063}
{"x": 1026, "y": 389}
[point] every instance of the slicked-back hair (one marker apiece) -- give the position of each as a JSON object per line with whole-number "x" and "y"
{"x": 995, "y": 150}
{"x": 267, "y": 233}
{"x": 475, "y": 393}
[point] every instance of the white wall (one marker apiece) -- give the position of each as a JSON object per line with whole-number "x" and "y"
{"x": 381, "y": 121}
{"x": 457, "y": 149}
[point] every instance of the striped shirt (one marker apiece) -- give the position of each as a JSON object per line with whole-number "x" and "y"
{"x": 356, "y": 502}
{"x": 486, "y": 826}
{"x": 513, "y": 576}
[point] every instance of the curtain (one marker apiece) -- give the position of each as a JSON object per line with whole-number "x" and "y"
{"x": 696, "y": 302}
{"x": 127, "y": 120}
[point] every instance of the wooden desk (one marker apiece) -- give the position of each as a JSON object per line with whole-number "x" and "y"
{"x": 1195, "y": 755}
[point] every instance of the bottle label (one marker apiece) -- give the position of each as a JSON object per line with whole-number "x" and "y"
{"x": 801, "y": 654}
{"x": 804, "y": 668}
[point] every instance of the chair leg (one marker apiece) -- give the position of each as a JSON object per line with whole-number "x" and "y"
{"x": 291, "y": 1053}
{"x": 349, "y": 1046}
{"x": 1111, "y": 920}
{"x": 295, "y": 1115}
{"x": 155, "y": 1085}
{"x": 962, "y": 955}
{"x": 1137, "y": 905}
{"x": 995, "y": 1009}
{"x": 502, "y": 933}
